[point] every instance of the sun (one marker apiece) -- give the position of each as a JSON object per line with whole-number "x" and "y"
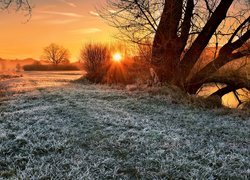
{"x": 117, "y": 57}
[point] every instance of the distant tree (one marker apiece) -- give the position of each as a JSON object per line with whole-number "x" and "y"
{"x": 95, "y": 59}
{"x": 56, "y": 54}
{"x": 181, "y": 30}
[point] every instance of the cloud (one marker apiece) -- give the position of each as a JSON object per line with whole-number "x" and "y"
{"x": 39, "y": 17}
{"x": 69, "y": 14}
{"x": 112, "y": 11}
{"x": 71, "y": 4}
{"x": 87, "y": 31}
{"x": 65, "y": 21}
{"x": 94, "y": 13}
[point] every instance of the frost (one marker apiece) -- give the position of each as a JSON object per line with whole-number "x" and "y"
{"x": 2, "y": 134}
{"x": 52, "y": 129}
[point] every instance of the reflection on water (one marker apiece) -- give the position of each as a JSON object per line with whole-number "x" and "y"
{"x": 228, "y": 100}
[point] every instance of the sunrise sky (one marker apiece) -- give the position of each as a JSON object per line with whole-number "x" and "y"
{"x": 70, "y": 23}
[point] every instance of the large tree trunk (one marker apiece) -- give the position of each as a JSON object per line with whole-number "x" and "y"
{"x": 166, "y": 46}
{"x": 170, "y": 62}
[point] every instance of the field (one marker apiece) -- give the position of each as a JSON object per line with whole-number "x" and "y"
{"x": 51, "y": 128}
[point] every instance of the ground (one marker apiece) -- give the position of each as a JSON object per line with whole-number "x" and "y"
{"x": 51, "y": 128}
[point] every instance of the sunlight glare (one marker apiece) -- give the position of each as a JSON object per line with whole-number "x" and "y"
{"x": 117, "y": 57}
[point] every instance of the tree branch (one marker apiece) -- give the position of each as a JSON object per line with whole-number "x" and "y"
{"x": 238, "y": 43}
{"x": 186, "y": 25}
{"x": 226, "y": 55}
{"x": 223, "y": 91}
{"x": 236, "y": 82}
{"x": 142, "y": 11}
{"x": 204, "y": 37}
{"x": 238, "y": 29}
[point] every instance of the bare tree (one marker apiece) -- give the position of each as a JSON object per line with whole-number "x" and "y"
{"x": 181, "y": 31}
{"x": 56, "y": 54}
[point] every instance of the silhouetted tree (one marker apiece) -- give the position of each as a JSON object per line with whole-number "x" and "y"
{"x": 181, "y": 30}
{"x": 56, "y": 54}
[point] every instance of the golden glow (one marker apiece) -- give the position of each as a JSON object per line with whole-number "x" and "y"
{"x": 69, "y": 25}
{"x": 117, "y": 57}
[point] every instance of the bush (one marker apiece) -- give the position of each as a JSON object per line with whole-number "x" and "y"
{"x": 100, "y": 68}
{"x": 95, "y": 59}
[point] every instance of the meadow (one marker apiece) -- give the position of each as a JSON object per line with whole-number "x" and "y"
{"x": 52, "y": 127}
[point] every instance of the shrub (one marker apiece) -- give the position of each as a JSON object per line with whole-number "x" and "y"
{"x": 96, "y": 61}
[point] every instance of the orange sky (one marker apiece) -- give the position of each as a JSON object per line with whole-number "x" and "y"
{"x": 70, "y": 23}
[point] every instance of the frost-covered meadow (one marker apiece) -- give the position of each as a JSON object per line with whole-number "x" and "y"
{"x": 51, "y": 128}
